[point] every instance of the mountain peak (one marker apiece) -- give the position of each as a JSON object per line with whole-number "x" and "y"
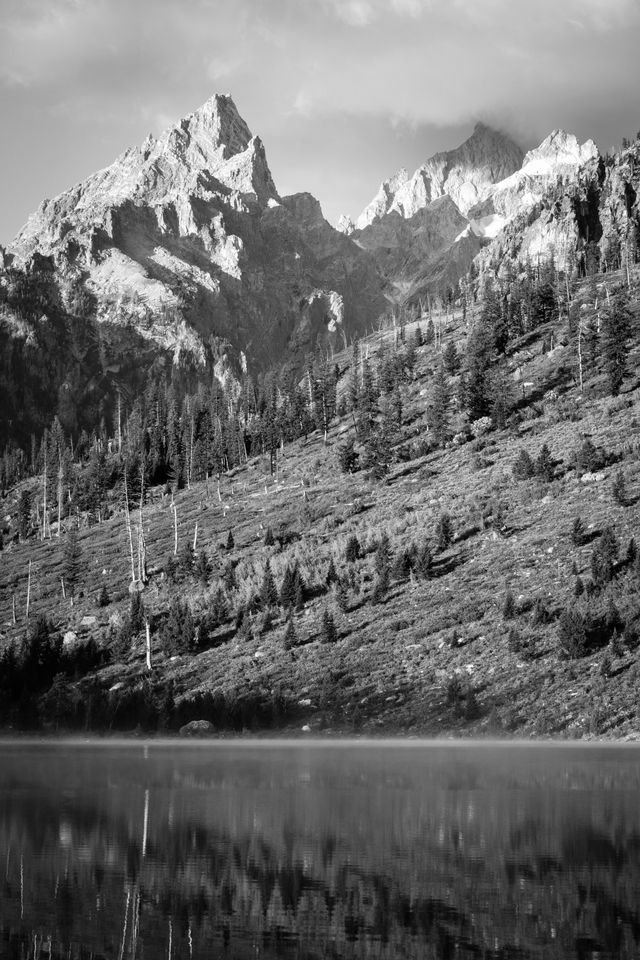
{"x": 559, "y": 149}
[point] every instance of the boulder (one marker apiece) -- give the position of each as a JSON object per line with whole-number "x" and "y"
{"x": 197, "y": 728}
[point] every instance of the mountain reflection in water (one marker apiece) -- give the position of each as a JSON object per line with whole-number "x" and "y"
{"x": 266, "y": 850}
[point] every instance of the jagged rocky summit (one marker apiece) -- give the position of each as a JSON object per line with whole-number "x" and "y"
{"x": 426, "y": 229}
{"x": 187, "y": 239}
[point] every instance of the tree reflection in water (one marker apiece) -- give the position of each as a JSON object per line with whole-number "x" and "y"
{"x": 319, "y": 852}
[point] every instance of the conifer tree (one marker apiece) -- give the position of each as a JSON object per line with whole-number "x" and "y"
{"x": 328, "y": 628}
{"x": 509, "y": 605}
{"x": 203, "y": 567}
{"x": 229, "y": 576}
{"x": 104, "y": 599}
{"x": 290, "y": 637}
{"x": 619, "y": 489}
{"x": 342, "y": 600}
{"x": 424, "y": 562}
{"x": 440, "y": 401}
{"x": 577, "y": 532}
{"x": 545, "y": 467}
{"x": 347, "y": 456}
{"x": 230, "y": 541}
{"x": 72, "y": 561}
{"x": 352, "y": 549}
{"x": 268, "y": 537}
{"x": 268, "y": 590}
{"x": 444, "y": 531}
{"x": 331, "y": 576}
{"x": 451, "y": 359}
{"x": 136, "y": 612}
{"x": 616, "y": 330}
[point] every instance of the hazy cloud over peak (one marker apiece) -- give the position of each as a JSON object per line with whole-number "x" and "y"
{"x": 341, "y": 91}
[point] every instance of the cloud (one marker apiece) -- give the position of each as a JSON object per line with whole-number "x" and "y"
{"x": 111, "y": 69}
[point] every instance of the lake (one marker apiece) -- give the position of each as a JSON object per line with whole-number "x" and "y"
{"x": 319, "y": 850}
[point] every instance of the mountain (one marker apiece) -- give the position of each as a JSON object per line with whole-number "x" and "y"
{"x": 465, "y": 174}
{"x": 425, "y": 230}
{"x": 187, "y": 239}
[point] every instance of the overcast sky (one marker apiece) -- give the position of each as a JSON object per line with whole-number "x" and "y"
{"x": 342, "y": 92}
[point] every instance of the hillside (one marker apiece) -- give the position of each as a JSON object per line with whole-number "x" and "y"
{"x": 483, "y": 633}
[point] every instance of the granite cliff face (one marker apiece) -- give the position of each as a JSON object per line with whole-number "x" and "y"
{"x": 187, "y": 239}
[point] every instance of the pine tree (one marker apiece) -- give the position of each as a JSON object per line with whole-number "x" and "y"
{"x": 342, "y": 599}
{"x": 383, "y": 555}
{"x": 616, "y": 331}
{"x": 230, "y": 541}
{"x": 229, "y": 576}
{"x": 509, "y": 606}
{"x": 104, "y": 599}
{"x": 523, "y": 467}
{"x": 424, "y": 562}
{"x": 203, "y": 567}
{"x": 219, "y": 610}
{"x": 402, "y": 566}
{"x": 444, "y": 531}
{"x": 440, "y": 402}
{"x": 136, "y": 612}
{"x": 72, "y": 561}
{"x": 352, "y": 549}
{"x": 347, "y": 457}
{"x": 451, "y": 359}
{"x": 268, "y": 537}
{"x": 268, "y": 591}
{"x": 577, "y": 532}
{"x": 24, "y": 514}
{"x": 545, "y": 466}
{"x": 572, "y": 634}
{"x": 619, "y": 489}
{"x": 288, "y": 589}
{"x": 186, "y": 559}
{"x": 331, "y": 576}
{"x": 290, "y": 637}
{"x": 328, "y": 628}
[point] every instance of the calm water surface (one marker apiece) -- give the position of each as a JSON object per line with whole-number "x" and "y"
{"x": 242, "y": 850}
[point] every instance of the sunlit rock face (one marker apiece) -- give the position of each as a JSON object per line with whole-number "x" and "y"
{"x": 187, "y": 239}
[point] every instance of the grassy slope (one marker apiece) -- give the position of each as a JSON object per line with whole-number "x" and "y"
{"x": 391, "y": 666}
